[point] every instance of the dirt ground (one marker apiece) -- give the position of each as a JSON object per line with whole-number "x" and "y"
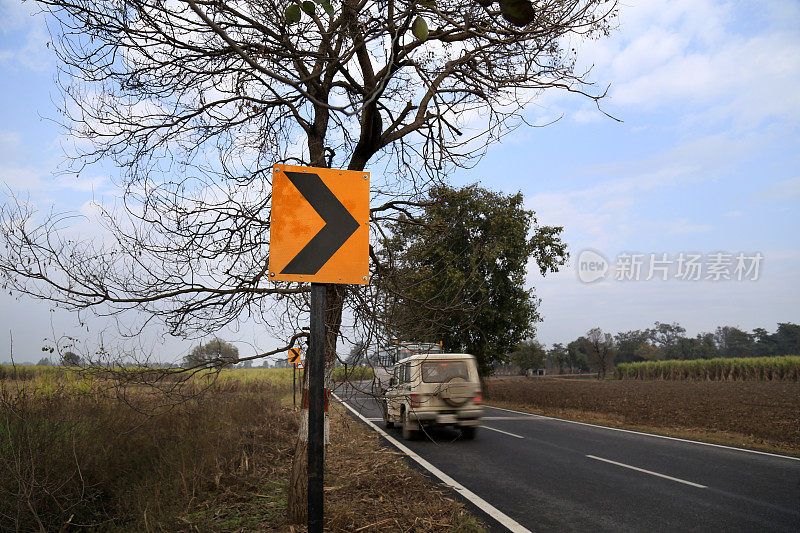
{"x": 763, "y": 415}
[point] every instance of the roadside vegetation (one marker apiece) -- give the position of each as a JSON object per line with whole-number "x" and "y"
{"x": 597, "y": 351}
{"x": 77, "y": 451}
{"x": 785, "y": 368}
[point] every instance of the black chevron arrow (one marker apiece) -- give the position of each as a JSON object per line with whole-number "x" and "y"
{"x": 339, "y": 225}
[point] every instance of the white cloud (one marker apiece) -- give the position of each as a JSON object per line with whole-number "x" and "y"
{"x": 25, "y": 175}
{"x": 9, "y": 144}
{"x": 699, "y": 55}
{"x": 606, "y": 214}
{"x": 782, "y": 190}
{"x": 683, "y": 226}
{"x": 20, "y": 179}
{"x": 14, "y": 14}
{"x": 27, "y": 37}
{"x": 588, "y": 115}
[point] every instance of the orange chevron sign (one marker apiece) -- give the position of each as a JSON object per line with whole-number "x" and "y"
{"x": 319, "y": 225}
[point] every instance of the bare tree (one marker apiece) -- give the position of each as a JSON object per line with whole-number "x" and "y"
{"x": 601, "y": 348}
{"x": 194, "y": 101}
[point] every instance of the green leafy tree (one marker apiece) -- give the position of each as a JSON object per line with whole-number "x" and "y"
{"x": 733, "y": 342}
{"x": 69, "y": 358}
{"x": 706, "y": 347}
{"x": 529, "y": 355}
{"x": 578, "y": 355}
{"x": 787, "y": 339}
{"x": 687, "y": 348}
{"x": 647, "y": 352}
{"x": 558, "y": 355}
{"x": 628, "y": 342}
{"x": 766, "y": 343}
{"x": 459, "y": 272}
{"x": 665, "y": 337}
{"x": 216, "y": 352}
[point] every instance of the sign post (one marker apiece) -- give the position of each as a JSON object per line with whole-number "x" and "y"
{"x": 319, "y": 233}
{"x": 316, "y": 416}
{"x": 294, "y": 358}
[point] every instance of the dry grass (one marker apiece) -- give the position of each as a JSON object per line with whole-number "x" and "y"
{"x": 93, "y": 461}
{"x": 763, "y": 415}
{"x": 219, "y": 461}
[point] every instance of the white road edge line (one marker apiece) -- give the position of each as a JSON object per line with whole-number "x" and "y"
{"x": 505, "y": 418}
{"x": 699, "y": 486}
{"x": 501, "y": 431}
{"x": 734, "y": 448}
{"x": 480, "y": 503}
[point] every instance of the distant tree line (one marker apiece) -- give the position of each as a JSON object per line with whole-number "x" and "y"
{"x": 599, "y": 351}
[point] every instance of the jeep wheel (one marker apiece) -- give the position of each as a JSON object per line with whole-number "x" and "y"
{"x": 408, "y": 433}
{"x": 388, "y": 423}
{"x": 468, "y": 432}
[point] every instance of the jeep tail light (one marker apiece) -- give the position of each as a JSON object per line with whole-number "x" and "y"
{"x": 415, "y": 400}
{"x": 478, "y": 399}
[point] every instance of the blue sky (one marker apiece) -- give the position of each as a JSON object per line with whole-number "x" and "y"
{"x": 707, "y": 159}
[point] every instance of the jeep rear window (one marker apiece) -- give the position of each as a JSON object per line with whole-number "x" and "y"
{"x": 442, "y": 371}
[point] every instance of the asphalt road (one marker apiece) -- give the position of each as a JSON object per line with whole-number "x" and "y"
{"x": 553, "y": 475}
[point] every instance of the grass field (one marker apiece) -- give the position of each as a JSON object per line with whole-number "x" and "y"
{"x": 785, "y": 368}
{"x": 78, "y": 453}
{"x": 753, "y": 414}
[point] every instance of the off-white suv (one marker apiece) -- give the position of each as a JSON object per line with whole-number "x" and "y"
{"x": 434, "y": 390}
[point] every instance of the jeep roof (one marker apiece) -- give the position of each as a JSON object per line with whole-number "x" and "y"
{"x": 435, "y": 356}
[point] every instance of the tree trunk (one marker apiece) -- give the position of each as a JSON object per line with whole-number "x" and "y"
{"x": 298, "y": 482}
